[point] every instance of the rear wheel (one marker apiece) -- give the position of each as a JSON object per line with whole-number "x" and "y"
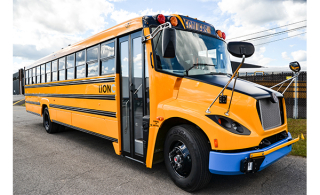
{"x": 186, "y": 157}
{"x": 49, "y": 126}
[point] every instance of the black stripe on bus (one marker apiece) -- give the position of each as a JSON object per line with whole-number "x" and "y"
{"x": 34, "y": 113}
{"x": 78, "y": 82}
{"x": 86, "y": 131}
{"x": 36, "y": 103}
{"x": 85, "y": 110}
{"x": 80, "y": 96}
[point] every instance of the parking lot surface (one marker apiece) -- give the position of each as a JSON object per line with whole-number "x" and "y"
{"x": 73, "y": 162}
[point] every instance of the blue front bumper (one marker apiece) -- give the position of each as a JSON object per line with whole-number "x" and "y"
{"x": 229, "y": 163}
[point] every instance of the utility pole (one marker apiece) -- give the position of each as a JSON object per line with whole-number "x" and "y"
{"x": 295, "y": 107}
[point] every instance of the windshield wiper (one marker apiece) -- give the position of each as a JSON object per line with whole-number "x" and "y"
{"x": 186, "y": 73}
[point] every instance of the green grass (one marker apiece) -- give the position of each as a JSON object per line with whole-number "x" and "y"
{"x": 296, "y": 127}
{"x": 23, "y": 105}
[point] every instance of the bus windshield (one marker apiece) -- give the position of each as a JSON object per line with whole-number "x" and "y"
{"x": 207, "y": 54}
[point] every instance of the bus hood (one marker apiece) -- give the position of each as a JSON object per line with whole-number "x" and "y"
{"x": 242, "y": 86}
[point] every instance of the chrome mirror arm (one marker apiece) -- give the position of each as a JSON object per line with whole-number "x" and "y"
{"x": 156, "y": 31}
{"x": 221, "y": 92}
{"x": 292, "y": 79}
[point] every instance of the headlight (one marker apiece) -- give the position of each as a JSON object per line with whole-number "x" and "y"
{"x": 230, "y": 125}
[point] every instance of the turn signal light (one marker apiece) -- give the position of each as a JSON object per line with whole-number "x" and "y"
{"x": 219, "y": 33}
{"x": 159, "y": 118}
{"x": 174, "y": 21}
{"x": 161, "y": 19}
{"x": 215, "y": 143}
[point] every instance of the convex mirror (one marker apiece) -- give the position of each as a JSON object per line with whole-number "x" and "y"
{"x": 238, "y": 49}
{"x": 295, "y": 66}
{"x": 169, "y": 43}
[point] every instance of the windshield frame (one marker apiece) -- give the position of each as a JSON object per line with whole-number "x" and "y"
{"x": 188, "y": 30}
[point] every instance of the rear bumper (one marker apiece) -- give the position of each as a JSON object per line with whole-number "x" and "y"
{"x": 229, "y": 163}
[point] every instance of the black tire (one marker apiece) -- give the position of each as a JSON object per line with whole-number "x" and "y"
{"x": 49, "y": 126}
{"x": 189, "y": 175}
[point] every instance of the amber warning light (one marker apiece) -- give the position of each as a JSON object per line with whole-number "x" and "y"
{"x": 221, "y": 34}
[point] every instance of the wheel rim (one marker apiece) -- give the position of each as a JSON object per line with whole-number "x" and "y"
{"x": 46, "y": 121}
{"x": 180, "y": 159}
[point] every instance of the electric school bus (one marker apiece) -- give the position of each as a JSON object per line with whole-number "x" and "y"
{"x": 161, "y": 88}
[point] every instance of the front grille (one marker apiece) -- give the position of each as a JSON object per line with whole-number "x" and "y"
{"x": 269, "y": 113}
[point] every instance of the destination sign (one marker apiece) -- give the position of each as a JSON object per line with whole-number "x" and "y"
{"x": 197, "y": 26}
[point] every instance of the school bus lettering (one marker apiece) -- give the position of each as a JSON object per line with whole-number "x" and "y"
{"x": 168, "y": 110}
{"x": 106, "y": 89}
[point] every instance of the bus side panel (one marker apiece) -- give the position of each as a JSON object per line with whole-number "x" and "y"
{"x": 52, "y": 113}
{"x": 33, "y": 108}
{"x": 98, "y": 125}
{"x": 64, "y": 117}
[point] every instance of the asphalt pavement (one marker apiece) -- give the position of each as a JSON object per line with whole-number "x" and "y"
{"x": 73, "y": 162}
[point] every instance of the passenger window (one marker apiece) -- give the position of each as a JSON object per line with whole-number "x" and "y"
{"x": 62, "y": 74}
{"x": 48, "y": 67}
{"x": 70, "y": 67}
{"x": 92, "y": 53}
{"x": 107, "y": 58}
{"x": 80, "y": 58}
{"x": 107, "y": 50}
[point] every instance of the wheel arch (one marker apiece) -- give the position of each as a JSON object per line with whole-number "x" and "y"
{"x": 162, "y": 133}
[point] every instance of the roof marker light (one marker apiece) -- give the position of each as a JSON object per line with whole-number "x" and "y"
{"x": 224, "y": 35}
{"x": 219, "y": 33}
{"x": 161, "y": 19}
{"x": 174, "y": 21}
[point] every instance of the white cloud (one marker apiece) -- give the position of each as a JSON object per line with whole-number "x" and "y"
{"x": 285, "y": 56}
{"x": 299, "y": 55}
{"x": 72, "y": 16}
{"x": 123, "y": 15}
{"x": 43, "y": 27}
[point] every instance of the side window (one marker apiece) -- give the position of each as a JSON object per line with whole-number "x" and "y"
{"x": 43, "y": 71}
{"x": 54, "y": 71}
{"x": 38, "y": 74}
{"x": 92, "y": 61}
{"x": 70, "y": 67}
{"x": 80, "y": 64}
{"x": 62, "y": 71}
{"x": 48, "y": 72}
{"x": 107, "y": 58}
{"x": 26, "y": 77}
{"x": 34, "y": 75}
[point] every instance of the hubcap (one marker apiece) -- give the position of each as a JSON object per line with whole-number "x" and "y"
{"x": 46, "y": 121}
{"x": 180, "y": 159}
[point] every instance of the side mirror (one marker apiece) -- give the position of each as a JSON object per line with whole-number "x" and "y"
{"x": 295, "y": 66}
{"x": 238, "y": 49}
{"x": 169, "y": 43}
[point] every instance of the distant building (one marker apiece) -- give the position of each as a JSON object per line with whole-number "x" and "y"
{"x": 18, "y": 83}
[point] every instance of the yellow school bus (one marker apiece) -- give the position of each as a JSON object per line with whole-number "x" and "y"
{"x": 161, "y": 88}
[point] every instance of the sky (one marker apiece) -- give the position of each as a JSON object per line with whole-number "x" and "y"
{"x": 43, "y": 27}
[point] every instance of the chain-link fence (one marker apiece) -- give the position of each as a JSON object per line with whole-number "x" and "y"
{"x": 270, "y": 80}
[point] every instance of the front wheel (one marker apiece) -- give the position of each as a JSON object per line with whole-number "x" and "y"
{"x": 186, "y": 157}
